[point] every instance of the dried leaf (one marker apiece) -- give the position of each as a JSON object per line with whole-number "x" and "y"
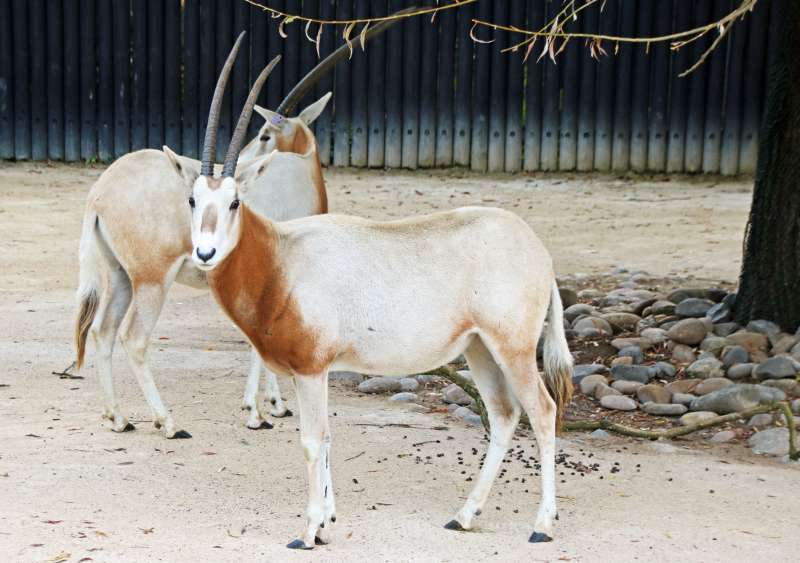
{"x": 563, "y": 46}
{"x": 63, "y": 556}
{"x": 346, "y": 36}
{"x": 546, "y": 47}
{"x": 363, "y": 36}
{"x": 319, "y": 36}
{"x": 596, "y": 48}
{"x": 52, "y": 521}
{"x": 528, "y": 50}
{"x": 475, "y": 39}
{"x": 308, "y": 26}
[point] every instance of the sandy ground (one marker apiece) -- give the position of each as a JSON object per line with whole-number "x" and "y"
{"x": 72, "y": 490}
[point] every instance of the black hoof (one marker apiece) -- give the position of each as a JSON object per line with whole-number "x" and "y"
{"x": 454, "y": 525}
{"x": 298, "y": 544}
{"x": 181, "y": 435}
{"x": 263, "y": 426}
{"x": 478, "y": 512}
{"x": 538, "y": 537}
{"x": 157, "y": 424}
{"x": 288, "y": 413}
{"x": 319, "y": 541}
{"x": 129, "y": 428}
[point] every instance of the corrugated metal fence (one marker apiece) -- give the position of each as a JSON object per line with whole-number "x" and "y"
{"x": 95, "y": 79}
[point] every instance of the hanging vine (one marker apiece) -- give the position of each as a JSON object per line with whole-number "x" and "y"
{"x": 348, "y": 25}
{"x": 554, "y": 33}
{"x": 554, "y": 30}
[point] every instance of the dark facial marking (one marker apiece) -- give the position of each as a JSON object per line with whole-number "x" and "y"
{"x": 209, "y": 219}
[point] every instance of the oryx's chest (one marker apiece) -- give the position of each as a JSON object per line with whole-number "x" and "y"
{"x": 275, "y": 326}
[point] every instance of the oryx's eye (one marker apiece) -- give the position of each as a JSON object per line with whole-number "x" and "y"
{"x": 264, "y": 138}
{"x": 234, "y": 204}
{"x": 191, "y": 202}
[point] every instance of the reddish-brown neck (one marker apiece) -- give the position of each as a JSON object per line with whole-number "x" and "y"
{"x": 249, "y": 272}
{"x": 250, "y": 287}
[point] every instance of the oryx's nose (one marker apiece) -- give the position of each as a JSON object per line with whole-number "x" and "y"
{"x": 206, "y": 255}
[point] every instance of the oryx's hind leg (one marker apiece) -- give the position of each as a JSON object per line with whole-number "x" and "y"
{"x": 137, "y": 327}
{"x": 114, "y": 302}
{"x": 277, "y": 407}
{"x": 252, "y": 398}
{"x": 503, "y": 411}
{"x": 529, "y": 388}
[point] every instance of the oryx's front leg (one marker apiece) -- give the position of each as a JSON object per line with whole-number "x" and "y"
{"x": 251, "y": 401}
{"x": 312, "y": 400}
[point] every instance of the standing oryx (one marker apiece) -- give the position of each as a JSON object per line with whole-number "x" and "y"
{"x": 136, "y": 242}
{"x": 337, "y": 292}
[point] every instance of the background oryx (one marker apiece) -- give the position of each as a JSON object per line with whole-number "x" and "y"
{"x": 136, "y": 242}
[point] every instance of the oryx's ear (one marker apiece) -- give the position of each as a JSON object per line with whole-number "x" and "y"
{"x": 274, "y": 120}
{"x": 253, "y": 170}
{"x": 183, "y": 167}
{"x": 312, "y": 112}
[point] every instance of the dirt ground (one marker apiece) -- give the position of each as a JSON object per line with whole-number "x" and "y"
{"x": 71, "y": 490}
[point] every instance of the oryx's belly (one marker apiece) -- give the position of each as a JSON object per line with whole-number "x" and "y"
{"x": 401, "y": 346}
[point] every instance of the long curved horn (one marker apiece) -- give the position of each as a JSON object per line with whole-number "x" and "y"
{"x": 327, "y": 64}
{"x": 237, "y": 139}
{"x": 210, "y": 144}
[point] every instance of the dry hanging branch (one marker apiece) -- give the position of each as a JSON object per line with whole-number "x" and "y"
{"x": 350, "y": 24}
{"x": 554, "y": 30}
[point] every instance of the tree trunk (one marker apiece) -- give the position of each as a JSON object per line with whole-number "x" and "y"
{"x": 769, "y": 285}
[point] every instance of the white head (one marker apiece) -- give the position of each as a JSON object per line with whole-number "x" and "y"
{"x": 215, "y": 220}
{"x": 214, "y": 201}
{"x": 286, "y": 134}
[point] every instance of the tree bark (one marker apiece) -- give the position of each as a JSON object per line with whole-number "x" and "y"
{"x": 769, "y": 285}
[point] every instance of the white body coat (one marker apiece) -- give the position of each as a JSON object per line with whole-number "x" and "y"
{"x": 337, "y": 292}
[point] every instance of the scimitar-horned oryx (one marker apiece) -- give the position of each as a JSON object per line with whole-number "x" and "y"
{"x": 337, "y": 292}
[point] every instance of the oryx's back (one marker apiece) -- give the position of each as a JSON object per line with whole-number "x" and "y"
{"x": 410, "y": 288}
{"x": 477, "y": 243}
